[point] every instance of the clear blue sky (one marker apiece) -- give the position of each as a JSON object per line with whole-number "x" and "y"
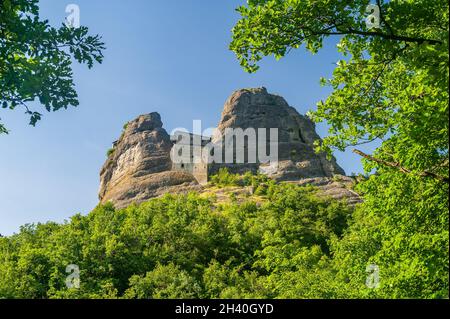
{"x": 166, "y": 56}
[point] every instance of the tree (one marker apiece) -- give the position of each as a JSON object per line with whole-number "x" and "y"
{"x": 392, "y": 84}
{"x": 184, "y": 246}
{"x": 36, "y": 59}
{"x": 391, "y": 87}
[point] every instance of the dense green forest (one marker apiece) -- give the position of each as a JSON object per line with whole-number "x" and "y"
{"x": 292, "y": 245}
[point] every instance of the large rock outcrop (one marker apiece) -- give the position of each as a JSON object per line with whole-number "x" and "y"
{"x": 139, "y": 167}
{"x": 256, "y": 108}
{"x": 338, "y": 187}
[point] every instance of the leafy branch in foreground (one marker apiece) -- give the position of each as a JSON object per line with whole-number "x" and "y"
{"x": 401, "y": 168}
{"x": 391, "y": 88}
{"x": 392, "y": 84}
{"x": 36, "y": 59}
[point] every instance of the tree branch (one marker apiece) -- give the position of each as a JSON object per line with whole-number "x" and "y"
{"x": 383, "y": 35}
{"x": 402, "y": 169}
{"x": 351, "y": 31}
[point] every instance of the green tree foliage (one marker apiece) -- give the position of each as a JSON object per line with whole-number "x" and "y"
{"x": 292, "y": 245}
{"x": 163, "y": 282}
{"x": 110, "y": 152}
{"x": 179, "y": 247}
{"x": 403, "y": 228}
{"x": 391, "y": 86}
{"x": 36, "y": 59}
{"x": 224, "y": 178}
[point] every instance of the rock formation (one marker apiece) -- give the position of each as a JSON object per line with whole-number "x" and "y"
{"x": 256, "y": 108}
{"x": 139, "y": 166}
{"x": 338, "y": 187}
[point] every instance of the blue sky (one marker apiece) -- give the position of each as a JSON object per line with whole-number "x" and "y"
{"x": 166, "y": 56}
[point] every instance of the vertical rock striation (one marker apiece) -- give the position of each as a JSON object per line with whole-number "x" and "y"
{"x": 256, "y": 108}
{"x": 139, "y": 167}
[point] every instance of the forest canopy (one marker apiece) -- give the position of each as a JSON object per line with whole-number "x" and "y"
{"x": 36, "y": 59}
{"x": 390, "y": 89}
{"x": 292, "y": 245}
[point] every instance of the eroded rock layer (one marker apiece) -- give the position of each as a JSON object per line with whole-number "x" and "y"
{"x": 139, "y": 167}
{"x": 256, "y": 108}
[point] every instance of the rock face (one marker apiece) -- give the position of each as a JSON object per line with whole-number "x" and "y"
{"x": 256, "y": 108}
{"x": 139, "y": 168}
{"x": 337, "y": 187}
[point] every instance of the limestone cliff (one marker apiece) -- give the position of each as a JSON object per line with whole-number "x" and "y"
{"x": 256, "y": 108}
{"x": 139, "y": 166}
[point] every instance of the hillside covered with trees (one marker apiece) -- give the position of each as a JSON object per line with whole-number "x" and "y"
{"x": 281, "y": 242}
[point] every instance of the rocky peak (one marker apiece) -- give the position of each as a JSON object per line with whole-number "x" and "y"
{"x": 139, "y": 166}
{"x": 256, "y": 108}
{"x": 146, "y": 122}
